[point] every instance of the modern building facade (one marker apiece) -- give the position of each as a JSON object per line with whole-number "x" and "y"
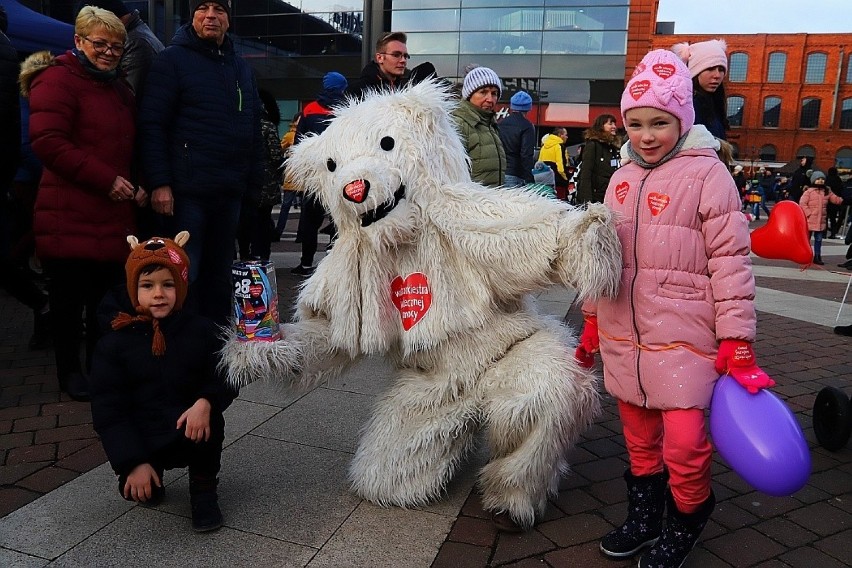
{"x": 788, "y": 94}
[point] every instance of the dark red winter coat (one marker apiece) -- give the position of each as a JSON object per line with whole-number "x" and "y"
{"x": 82, "y": 129}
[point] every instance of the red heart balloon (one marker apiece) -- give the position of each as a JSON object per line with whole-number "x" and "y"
{"x": 785, "y": 236}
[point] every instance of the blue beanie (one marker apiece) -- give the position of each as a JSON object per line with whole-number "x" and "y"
{"x": 334, "y": 82}
{"x": 520, "y": 101}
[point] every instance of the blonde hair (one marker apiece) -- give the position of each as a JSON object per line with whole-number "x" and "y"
{"x": 725, "y": 152}
{"x": 91, "y": 18}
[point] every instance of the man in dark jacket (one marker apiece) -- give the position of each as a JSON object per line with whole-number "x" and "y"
{"x": 388, "y": 69}
{"x": 201, "y": 146}
{"x": 314, "y": 120}
{"x": 518, "y": 136}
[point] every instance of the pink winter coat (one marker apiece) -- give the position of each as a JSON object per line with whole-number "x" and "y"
{"x": 686, "y": 282}
{"x": 814, "y": 203}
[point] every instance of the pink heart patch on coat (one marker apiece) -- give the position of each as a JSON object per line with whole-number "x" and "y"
{"x": 639, "y": 68}
{"x": 657, "y": 202}
{"x": 664, "y": 70}
{"x": 621, "y": 191}
{"x": 412, "y": 297}
{"x": 638, "y": 89}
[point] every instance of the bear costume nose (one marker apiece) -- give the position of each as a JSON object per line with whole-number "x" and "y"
{"x": 356, "y": 191}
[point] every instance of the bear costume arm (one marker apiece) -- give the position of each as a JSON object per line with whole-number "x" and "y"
{"x": 301, "y": 359}
{"x": 523, "y": 242}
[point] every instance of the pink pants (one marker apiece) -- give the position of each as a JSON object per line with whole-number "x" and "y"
{"x": 675, "y": 438}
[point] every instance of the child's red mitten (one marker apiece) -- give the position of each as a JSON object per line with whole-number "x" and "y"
{"x": 736, "y": 358}
{"x": 589, "y": 343}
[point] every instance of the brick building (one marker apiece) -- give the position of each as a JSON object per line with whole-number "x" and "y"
{"x": 788, "y": 94}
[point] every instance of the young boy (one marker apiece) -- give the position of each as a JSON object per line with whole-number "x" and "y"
{"x": 157, "y": 399}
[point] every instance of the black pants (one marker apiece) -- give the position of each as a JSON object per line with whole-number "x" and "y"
{"x": 204, "y": 459}
{"x": 310, "y": 221}
{"x": 76, "y": 284}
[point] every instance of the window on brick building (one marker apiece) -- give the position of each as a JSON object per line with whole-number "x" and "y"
{"x": 768, "y": 153}
{"x": 806, "y": 152}
{"x": 735, "y": 110}
{"x": 771, "y": 111}
{"x": 738, "y": 67}
{"x": 849, "y": 70}
{"x": 815, "y": 71}
{"x": 777, "y": 67}
{"x": 843, "y": 158}
{"x": 846, "y": 114}
{"x": 810, "y": 113}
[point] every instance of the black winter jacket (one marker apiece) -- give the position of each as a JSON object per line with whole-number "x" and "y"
{"x": 199, "y": 120}
{"x": 601, "y": 155}
{"x": 518, "y": 136}
{"x": 10, "y": 113}
{"x": 137, "y": 398}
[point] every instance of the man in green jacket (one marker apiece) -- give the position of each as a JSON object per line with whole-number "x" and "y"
{"x": 477, "y": 126}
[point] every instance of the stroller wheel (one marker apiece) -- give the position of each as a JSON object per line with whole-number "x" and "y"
{"x": 832, "y": 418}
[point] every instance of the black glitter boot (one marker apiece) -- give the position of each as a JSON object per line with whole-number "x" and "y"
{"x": 646, "y": 496}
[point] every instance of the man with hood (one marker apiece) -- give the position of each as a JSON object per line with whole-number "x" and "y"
{"x": 202, "y": 148}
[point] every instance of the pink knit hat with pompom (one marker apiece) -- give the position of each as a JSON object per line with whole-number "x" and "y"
{"x": 661, "y": 81}
{"x": 703, "y": 55}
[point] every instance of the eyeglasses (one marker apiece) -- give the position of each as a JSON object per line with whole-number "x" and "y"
{"x": 397, "y": 54}
{"x": 103, "y": 46}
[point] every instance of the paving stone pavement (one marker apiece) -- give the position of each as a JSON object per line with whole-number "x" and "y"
{"x": 46, "y": 441}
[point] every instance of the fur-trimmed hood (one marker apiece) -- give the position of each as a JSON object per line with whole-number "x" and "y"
{"x": 697, "y": 138}
{"x": 32, "y": 66}
{"x": 602, "y": 137}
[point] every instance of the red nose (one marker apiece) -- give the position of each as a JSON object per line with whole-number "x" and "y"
{"x": 356, "y": 191}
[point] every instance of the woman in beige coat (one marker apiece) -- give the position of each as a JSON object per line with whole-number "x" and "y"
{"x": 814, "y": 203}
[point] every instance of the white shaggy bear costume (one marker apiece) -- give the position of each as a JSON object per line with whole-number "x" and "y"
{"x": 434, "y": 272}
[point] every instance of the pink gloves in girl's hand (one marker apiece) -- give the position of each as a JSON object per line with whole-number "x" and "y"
{"x": 589, "y": 343}
{"x": 736, "y": 358}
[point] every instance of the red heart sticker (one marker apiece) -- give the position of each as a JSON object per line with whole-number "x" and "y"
{"x": 356, "y": 190}
{"x": 255, "y": 290}
{"x": 664, "y": 70}
{"x": 657, "y": 202}
{"x": 621, "y": 191}
{"x": 412, "y": 297}
{"x": 638, "y": 89}
{"x": 639, "y": 69}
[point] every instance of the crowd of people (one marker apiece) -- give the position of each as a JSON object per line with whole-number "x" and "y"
{"x": 126, "y": 140}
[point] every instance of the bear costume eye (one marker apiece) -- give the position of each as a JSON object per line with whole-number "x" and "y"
{"x": 387, "y": 143}
{"x": 331, "y": 165}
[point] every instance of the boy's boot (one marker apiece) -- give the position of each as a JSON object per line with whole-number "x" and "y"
{"x": 206, "y": 515}
{"x": 646, "y": 498}
{"x": 41, "y": 329}
{"x": 75, "y": 385}
{"x": 818, "y": 259}
{"x": 679, "y": 535}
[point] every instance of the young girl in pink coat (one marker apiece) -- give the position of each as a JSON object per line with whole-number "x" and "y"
{"x": 684, "y": 313}
{"x": 814, "y": 203}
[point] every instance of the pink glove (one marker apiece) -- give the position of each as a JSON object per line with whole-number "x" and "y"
{"x": 736, "y": 358}
{"x": 589, "y": 343}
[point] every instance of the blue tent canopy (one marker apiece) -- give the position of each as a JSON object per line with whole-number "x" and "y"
{"x": 30, "y": 31}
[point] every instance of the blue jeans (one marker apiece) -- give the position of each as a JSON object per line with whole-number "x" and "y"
{"x": 818, "y": 242}
{"x": 514, "y": 181}
{"x": 755, "y": 209}
{"x": 212, "y": 224}
{"x": 289, "y": 198}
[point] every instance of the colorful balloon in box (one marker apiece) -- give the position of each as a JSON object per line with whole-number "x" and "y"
{"x": 256, "y": 301}
{"x": 759, "y": 438}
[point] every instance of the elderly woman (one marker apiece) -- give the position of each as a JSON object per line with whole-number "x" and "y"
{"x": 82, "y": 117}
{"x": 474, "y": 117}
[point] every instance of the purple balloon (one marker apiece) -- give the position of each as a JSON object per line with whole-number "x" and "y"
{"x": 759, "y": 438}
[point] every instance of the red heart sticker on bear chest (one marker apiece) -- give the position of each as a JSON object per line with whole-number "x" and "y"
{"x": 657, "y": 202}
{"x": 638, "y": 89}
{"x": 621, "y": 191}
{"x": 412, "y": 297}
